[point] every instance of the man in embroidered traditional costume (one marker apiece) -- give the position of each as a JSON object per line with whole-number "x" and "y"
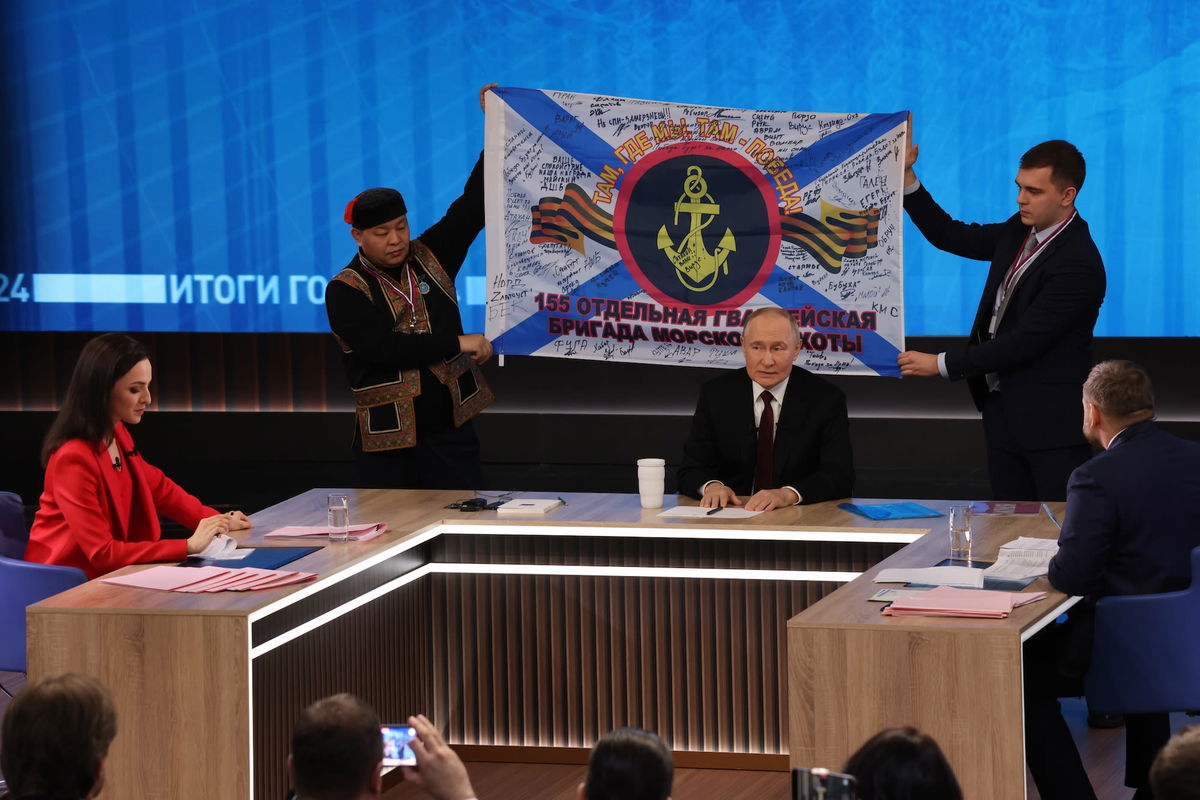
{"x": 414, "y": 373}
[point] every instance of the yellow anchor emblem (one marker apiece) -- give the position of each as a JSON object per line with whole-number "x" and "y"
{"x": 696, "y": 268}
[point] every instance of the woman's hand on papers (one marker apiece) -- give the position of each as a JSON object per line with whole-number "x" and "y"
{"x": 206, "y": 530}
{"x": 239, "y": 521}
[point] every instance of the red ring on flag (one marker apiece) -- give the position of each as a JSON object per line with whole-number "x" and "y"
{"x": 734, "y": 159}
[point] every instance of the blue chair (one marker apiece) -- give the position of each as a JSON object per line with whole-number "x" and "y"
{"x": 22, "y": 584}
{"x": 1146, "y": 654}
{"x": 13, "y": 534}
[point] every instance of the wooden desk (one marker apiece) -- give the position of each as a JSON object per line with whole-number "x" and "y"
{"x": 853, "y": 672}
{"x": 514, "y": 632}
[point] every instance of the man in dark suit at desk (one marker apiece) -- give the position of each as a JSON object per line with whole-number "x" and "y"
{"x": 772, "y": 431}
{"x": 1031, "y": 344}
{"x": 1129, "y": 529}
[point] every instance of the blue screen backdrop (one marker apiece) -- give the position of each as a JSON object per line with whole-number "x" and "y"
{"x": 183, "y": 166}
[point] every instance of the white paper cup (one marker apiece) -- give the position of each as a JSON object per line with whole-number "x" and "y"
{"x": 652, "y": 478}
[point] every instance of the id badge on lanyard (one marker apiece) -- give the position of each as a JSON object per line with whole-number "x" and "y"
{"x": 1017, "y": 271}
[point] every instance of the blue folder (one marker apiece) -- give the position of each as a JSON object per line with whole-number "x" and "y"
{"x": 890, "y": 510}
{"x": 262, "y": 557}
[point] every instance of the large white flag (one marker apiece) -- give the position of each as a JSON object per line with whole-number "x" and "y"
{"x": 645, "y": 231}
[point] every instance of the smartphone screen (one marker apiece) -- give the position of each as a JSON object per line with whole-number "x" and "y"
{"x": 396, "y": 750}
{"x": 821, "y": 784}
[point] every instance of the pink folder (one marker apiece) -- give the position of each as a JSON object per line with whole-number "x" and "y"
{"x": 359, "y": 533}
{"x": 209, "y": 579}
{"x": 166, "y": 578}
{"x": 947, "y": 601}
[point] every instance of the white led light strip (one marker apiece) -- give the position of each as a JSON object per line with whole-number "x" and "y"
{"x": 644, "y": 572}
{"x": 547, "y": 569}
{"x": 705, "y": 533}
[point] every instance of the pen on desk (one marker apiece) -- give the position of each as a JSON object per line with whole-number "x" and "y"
{"x": 1053, "y": 518}
{"x": 710, "y": 513}
{"x": 564, "y": 502}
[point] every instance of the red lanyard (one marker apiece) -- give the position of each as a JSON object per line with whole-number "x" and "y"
{"x": 1022, "y": 259}
{"x": 386, "y": 281}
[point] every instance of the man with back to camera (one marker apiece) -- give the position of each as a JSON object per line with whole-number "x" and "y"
{"x": 1129, "y": 529}
{"x": 772, "y": 431}
{"x": 337, "y": 754}
{"x": 56, "y": 736}
{"x": 414, "y": 373}
{"x": 1030, "y": 346}
{"x": 628, "y": 764}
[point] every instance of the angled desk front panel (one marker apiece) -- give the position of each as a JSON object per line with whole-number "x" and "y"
{"x": 507, "y": 631}
{"x": 853, "y": 671}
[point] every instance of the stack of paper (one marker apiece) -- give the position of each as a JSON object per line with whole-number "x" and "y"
{"x": 357, "y": 533}
{"x": 933, "y": 576}
{"x": 945, "y": 601}
{"x": 1023, "y": 558}
{"x": 223, "y": 548}
{"x": 210, "y": 579}
{"x": 728, "y": 512}
{"x": 529, "y": 505}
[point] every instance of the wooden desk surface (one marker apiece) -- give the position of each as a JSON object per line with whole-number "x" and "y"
{"x": 409, "y": 513}
{"x": 849, "y": 606}
{"x": 500, "y": 659}
{"x": 854, "y": 671}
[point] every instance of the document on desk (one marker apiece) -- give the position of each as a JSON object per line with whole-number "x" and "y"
{"x": 729, "y": 512}
{"x": 1023, "y": 558}
{"x": 970, "y": 577}
{"x": 946, "y": 601}
{"x": 362, "y": 532}
{"x": 209, "y": 579}
{"x": 223, "y": 548}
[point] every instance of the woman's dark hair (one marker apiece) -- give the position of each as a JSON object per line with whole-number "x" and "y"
{"x": 902, "y": 764}
{"x": 86, "y": 411}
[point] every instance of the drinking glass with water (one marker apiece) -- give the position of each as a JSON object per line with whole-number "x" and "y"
{"x": 339, "y": 517}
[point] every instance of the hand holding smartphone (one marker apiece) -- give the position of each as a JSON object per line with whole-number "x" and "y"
{"x": 396, "y": 749}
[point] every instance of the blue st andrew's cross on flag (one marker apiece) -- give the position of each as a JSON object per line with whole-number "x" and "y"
{"x": 646, "y": 231}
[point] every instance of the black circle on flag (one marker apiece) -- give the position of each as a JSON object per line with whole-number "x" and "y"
{"x": 697, "y": 225}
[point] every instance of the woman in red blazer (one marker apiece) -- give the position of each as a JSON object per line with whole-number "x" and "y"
{"x": 100, "y": 506}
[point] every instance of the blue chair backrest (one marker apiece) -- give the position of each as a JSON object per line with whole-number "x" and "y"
{"x": 22, "y": 584}
{"x": 1146, "y": 654}
{"x": 13, "y": 533}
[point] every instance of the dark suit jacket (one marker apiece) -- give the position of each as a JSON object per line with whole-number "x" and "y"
{"x": 812, "y": 438}
{"x": 1131, "y": 519}
{"x": 1042, "y": 350}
